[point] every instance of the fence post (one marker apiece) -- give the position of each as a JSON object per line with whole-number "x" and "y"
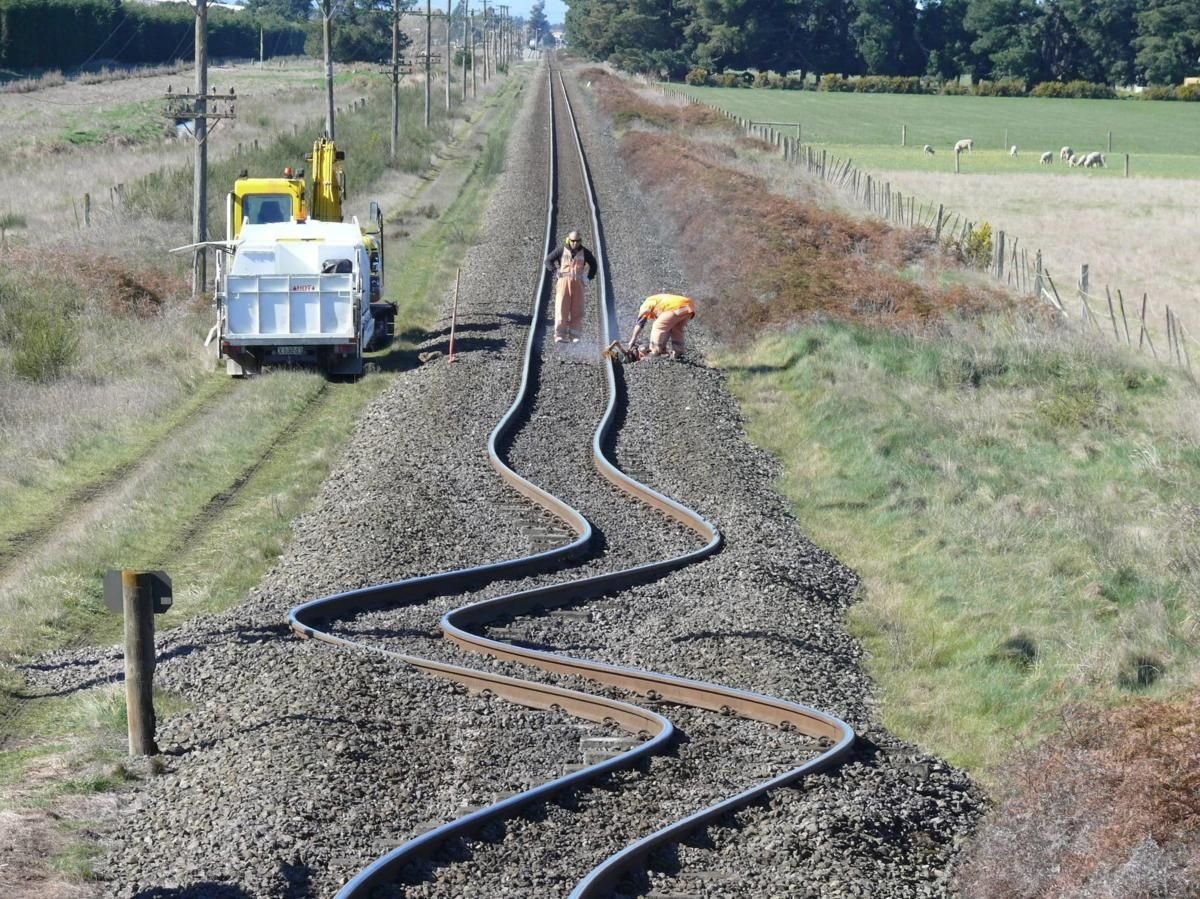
{"x": 1145, "y": 333}
{"x": 999, "y": 255}
{"x": 1083, "y": 290}
{"x": 87, "y": 210}
{"x": 956, "y": 155}
{"x": 1126, "y": 165}
{"x": 1112, "y": 314}
{"x": 937, "y": 234}
{"x": 1109, "y": 142}
{"x": 904, "y": 135}
{"x": 1124, "y": 320}
{"x": 1037, "y": 283}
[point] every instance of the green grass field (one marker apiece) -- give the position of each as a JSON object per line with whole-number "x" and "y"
{"x": 1162, "y": 138}
{"x": 1015, "y": 504}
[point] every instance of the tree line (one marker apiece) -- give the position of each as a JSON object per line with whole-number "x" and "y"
{"x": 1114, "y": 42}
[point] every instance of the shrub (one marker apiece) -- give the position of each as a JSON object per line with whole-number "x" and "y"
{"x": 1157, "y": 92}
{"x": 1079, "y": 90}
{"x": 762, "y": 79}
{"x": 978, "y": 249}
{"x": 1005, "y": 87}
{"x": 835, "y": 84}
{"x": 696, "y": 75}
{"x": 954, "y": 89}
{"x": 728, "y": 79}
{"x": 44, "y": 343}
{"x": 1188, "y": 92}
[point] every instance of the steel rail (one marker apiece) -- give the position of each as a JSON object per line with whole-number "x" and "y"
{"x": 655, "y": 686}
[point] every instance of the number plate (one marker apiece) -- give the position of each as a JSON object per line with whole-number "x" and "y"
{"x": 289, "y": 351}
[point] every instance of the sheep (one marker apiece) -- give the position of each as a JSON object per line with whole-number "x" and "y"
{"x": 1094, "y": 159}
{"x": 964, "y": 144}
{"x": 1065, "y": 153}
{"x": 1075, "y": 160}
{"x": 1012, "y": 151}
{"x": 928, "y": 150}
{"x": 1047, "y": 158}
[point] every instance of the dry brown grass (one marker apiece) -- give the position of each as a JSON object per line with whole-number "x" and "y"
{"x": 1130, "y": 232}
{"x": 795, "y": 258}
{"x": 44, "y": 178}
{"x": 1111, "y": 808}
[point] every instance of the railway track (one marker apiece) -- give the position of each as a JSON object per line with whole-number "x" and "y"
{"x": 688, "y": 539}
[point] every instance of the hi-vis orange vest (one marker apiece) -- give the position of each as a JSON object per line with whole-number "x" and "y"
{"x": 661, "y": 303}
{"x": 572, "y": 265}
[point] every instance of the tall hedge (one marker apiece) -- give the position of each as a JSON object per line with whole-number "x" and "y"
{"x": 64, "y": 34}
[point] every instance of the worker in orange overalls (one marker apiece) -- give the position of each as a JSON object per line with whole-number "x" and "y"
{"x": 574, "y": 262}
{"x": 670, "y": 312}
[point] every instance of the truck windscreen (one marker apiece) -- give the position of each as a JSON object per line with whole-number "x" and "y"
{"x": 264, "y": 209}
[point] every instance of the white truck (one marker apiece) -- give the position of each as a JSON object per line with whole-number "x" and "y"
{"x": 299, "y": 292}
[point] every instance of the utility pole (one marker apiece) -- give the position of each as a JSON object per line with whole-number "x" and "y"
{"x": 261, "y": 44}
{"x": 466, "y": 19}
{"x": 449, "y": 55}
{"x": 428, "y": 56}
{"x": 474, "y": 88}
{"x": 327, "y": 33}
{"x": 181, "y": 108}
{"x": 505, "y": 24}
{"x": 200, "y": 169}
{"x": 483, "y": 29}
{"x": 395, "y": 75}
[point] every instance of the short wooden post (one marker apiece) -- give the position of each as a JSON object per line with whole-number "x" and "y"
{"x": 904, "y": 135}
{"x": 937, "y": 234}
{"x": 1112, "y": 313}
{"x": 957, "y": 154}
{"x": 1054, "y": 293}
{"x": 999, "y": 255}
{"x": 1004, "y": 147}
{"x": 1083, "y": 290}
{"x": 1037, "y": 274}
{"x": 1126, "y": 165}
{"x": 1109, "y": 142}
{"x": 454, "y": 315}
{"x": 139, "y": 663}
{"x": 87, "y": 210}
{"x": 1145, "y": 333}
{"x": 1124, "y": 320}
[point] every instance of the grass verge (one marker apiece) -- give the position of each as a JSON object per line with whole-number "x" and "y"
{"x": 1018, "y": 505}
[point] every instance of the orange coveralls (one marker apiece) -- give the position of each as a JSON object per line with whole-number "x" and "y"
{"x": 670, "y": 312}
{"x": 574, "y": 264}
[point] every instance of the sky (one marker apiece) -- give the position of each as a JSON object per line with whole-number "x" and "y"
{"x": 556, "y": 10}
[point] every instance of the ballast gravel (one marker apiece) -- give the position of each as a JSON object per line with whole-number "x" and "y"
{"x": 295, "y": 763}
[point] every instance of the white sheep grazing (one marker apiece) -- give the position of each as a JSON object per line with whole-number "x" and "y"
{"x": 1074, "y": 160}
{"x": 1047, "y": 158}
{"x": 964, "y": 144}
{"x": 1012, "y": 151}
{"x": 928, "y": 150}
{"x": 1065, "y": 153}
{"x": 1094, "y": 160}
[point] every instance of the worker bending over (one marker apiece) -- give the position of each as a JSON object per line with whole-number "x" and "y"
{"x": 574, "y": 262}
{"x": 670, "y": 313}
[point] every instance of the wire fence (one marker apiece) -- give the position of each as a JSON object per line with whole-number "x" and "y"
{"x": 1000, "y": 254}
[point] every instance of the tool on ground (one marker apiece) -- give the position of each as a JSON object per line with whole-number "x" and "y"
{"x": 616, "y": 350}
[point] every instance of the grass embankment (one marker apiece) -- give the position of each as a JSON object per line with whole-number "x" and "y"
{"x": 1017, "y": 505}
{"x": 1019, "y": 502}
{"x": 1161, "y": 136}
{"x": 194, "y": 474}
